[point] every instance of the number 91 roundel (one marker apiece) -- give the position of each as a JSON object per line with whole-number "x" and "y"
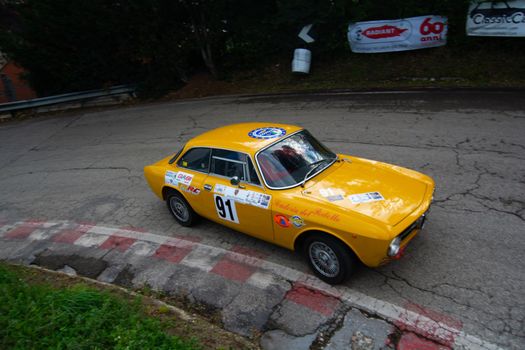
{"x": 225, "y": 208}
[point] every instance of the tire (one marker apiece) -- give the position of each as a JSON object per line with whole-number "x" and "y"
{"x": 329, "y": 258}
{"x": 181, "y": 209}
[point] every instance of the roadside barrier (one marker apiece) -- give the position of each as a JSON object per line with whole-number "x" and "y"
{"x": 115, "y": 93}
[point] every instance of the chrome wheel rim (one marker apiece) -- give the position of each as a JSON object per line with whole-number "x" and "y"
{"x": 179, "y": 209}
{"x": 324, "y": 259}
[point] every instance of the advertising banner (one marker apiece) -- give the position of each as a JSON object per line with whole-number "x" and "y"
{"x": 398, "y": 35}
{"x": 496, "y": 18}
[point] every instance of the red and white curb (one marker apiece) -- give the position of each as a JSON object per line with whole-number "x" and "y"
{"x": 247, "y": 266}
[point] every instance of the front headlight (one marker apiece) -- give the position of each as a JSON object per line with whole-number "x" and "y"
{"x": 394, "y": 247}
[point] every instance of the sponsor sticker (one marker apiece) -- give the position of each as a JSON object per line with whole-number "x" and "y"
{"x": 267, "y": 133}
{"x": 254, "y": 198}
{"x": 383, "y": 32}
{"x": 171, "y": 178}
{"x": 281, "y": 220}
{"x": 297, "y": 221}
{"x": 366, "y": 197}
{"x": 220, "y": 189}
{"x": 257, "y": 199}
{"x": 191, "y": 189}
{"x": 337, "y": 197}
{"x": 175, "y": 178}
{"x": 332, "y": 194}
{"x": 184, "y": 178}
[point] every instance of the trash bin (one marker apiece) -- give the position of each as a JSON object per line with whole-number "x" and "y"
{"x": 301, "y": 61}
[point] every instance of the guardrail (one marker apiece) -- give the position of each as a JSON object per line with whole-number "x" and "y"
{"x": 12, "y": 107}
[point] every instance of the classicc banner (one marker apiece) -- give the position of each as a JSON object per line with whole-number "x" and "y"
{"x": 398, "y": 35}
{"x": 496, "y": 18}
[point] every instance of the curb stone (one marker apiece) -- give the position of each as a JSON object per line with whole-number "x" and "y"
{"x": 252, "y": 296}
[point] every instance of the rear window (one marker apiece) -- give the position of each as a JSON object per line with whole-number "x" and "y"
{"x": 174, "y": 158}
{"x": 196, "y": 159}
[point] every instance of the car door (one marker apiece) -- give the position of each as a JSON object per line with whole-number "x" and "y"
{"x": 188, "y": 175}
{"x": 243, "y": 206}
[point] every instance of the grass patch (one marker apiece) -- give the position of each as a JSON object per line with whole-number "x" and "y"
{"x": 38, "y": 315}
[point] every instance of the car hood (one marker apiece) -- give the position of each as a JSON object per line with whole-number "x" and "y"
{"x": 379, "y": 191}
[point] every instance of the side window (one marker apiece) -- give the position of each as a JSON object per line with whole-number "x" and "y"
{"x": 196, "y": 159}
{"x": 254, "y": 179}
{"x": 228, "y": 163}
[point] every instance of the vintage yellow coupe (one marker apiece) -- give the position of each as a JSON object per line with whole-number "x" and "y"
{"x": 278, "y": 183}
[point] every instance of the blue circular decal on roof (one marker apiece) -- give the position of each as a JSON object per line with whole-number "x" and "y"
{"x": 267, "y": 133}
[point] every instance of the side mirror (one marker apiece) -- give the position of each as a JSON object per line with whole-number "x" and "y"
{"x": 235, "y": 181}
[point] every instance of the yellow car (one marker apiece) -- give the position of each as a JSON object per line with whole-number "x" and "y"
{"x": 278, "y": 183}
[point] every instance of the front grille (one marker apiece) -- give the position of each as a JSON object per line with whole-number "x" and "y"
{"x": 409, "y": 230}
{"x": 418, "y": 224}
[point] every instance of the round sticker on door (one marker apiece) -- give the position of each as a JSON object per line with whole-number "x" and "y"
{"x": 267, "y": 133}
{"x": 281, "y": 220}
{"x": 297, "y": 221}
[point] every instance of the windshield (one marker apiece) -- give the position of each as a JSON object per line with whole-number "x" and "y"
{"x": 286, "y": 163}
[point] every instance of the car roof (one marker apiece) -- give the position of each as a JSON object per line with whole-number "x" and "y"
{"x": 244, "y": 137}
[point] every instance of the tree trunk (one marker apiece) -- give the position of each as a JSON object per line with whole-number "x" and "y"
{"x": 198, "y": 21}
{"x": 207, "y": 56}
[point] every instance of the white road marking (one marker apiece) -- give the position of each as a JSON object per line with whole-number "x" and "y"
{"x": 39, "y": 234}
{"x": 107, "y": 231}
{"x": 143, "y": 248}
{"x": 44, "y": 232}
{"x": 261, "y": 280}
{"x": 202, "y": 257}
{"x": 90, "y": 240}
{"x": 4, "y": 229}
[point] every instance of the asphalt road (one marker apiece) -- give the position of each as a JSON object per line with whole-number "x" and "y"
{"x": 467, "y": 267}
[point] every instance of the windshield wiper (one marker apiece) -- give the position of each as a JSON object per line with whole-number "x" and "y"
{"x": 315, "y": 166}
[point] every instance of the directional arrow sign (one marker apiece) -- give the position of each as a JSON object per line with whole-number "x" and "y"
{"x": 303, "y": 34}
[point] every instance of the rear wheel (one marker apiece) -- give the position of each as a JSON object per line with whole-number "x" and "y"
{"x": 329, "y": 258}
{"x": 181, "y": 209}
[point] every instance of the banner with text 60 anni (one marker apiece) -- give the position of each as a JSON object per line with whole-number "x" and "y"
{"x": 398, "y": 35}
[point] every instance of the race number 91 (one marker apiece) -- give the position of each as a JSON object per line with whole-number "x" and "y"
{"x": 225, "y": 208}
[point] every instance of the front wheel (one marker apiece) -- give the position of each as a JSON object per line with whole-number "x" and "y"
{"x": 329, "y": 258}
{"x": 181, "y": 209}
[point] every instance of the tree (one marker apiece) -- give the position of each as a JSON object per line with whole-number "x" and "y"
{"x": 84, "y": 44}
{"x": 205, "y": 29}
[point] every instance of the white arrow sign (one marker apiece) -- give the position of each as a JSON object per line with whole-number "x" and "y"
{"x": 303, "y": 34}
